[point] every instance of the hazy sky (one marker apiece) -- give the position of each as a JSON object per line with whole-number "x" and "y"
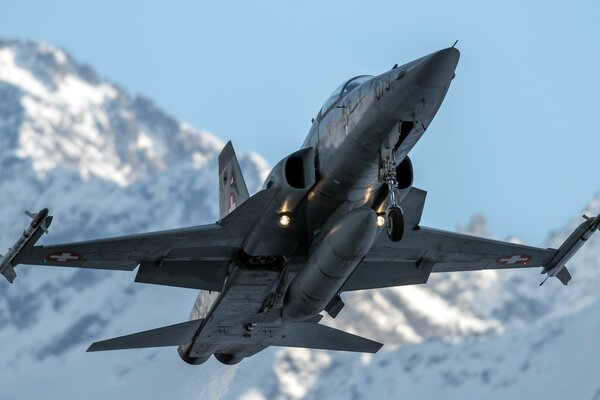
{"x": 516, "y": 138}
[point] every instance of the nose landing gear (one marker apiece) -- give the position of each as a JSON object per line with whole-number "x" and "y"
{"x": 395, "y": 224}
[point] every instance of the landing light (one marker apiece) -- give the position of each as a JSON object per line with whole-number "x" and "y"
{"x": 285, "y": 221}
{"x": 380, "y": 221}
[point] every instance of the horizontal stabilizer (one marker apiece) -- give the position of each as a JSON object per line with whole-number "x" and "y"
{"x": 317, "y": 336}
{"x": 172, "y": 335}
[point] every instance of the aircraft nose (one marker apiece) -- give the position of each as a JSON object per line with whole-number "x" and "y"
{"x": 436, "y": 69}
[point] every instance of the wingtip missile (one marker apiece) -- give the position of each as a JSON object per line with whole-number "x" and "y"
{"x": 40, "y": 219}
{"x": 39, "y": 225}
{"x": 557, "y": 266}
{"x": 596, "y": 223}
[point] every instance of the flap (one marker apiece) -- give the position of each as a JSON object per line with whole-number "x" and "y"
{"x": 203, "y": 275}
{"x": 381, "y": 274}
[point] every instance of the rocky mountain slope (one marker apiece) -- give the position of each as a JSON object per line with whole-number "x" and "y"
{"x": 107, "y": 163}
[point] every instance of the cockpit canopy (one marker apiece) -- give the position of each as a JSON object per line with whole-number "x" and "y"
{"x": 343, "y": 90}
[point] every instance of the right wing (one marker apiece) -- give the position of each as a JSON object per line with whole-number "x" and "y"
{"x": 425, "y": 250}
{"x": 312, "y": 335}
{"x": 450, "y": 251}
{"x": 196, "y": 257}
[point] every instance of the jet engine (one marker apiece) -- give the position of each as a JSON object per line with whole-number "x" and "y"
{"x": 184, "y": 353}
{"x": 206, "y": 299}
{"x": 296, "y": 172}
{"x": 292, "y": 178}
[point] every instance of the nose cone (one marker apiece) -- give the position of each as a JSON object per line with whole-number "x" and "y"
{"x": 436, "y": 69}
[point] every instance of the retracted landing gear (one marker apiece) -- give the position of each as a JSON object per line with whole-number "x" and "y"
{"x": 395, "y": 216}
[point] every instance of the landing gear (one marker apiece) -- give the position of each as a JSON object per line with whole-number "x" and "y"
{"x": 395, "y": 224}
{"x": 395, "y": 217}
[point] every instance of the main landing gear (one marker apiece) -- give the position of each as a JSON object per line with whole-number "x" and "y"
{"x": 395, "y": 216}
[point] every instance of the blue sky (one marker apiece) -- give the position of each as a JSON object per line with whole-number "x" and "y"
{"x": 516, "y": 138}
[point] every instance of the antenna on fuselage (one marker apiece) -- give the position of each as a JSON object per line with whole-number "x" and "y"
{"x": 454, "y": 44}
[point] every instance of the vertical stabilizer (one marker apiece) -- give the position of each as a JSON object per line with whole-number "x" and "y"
{"x": 232, "y": 187}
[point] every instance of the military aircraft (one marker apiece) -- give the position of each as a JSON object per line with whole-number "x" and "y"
{"x": 340, "y": 214}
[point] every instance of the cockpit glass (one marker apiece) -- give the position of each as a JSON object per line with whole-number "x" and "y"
{"x": 343, "y": 90}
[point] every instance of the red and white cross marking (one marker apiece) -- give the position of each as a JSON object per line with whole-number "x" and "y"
{"x": 232, "y": 202}
{"x": 63, "y": 257}
{"x": 514, "y": 259}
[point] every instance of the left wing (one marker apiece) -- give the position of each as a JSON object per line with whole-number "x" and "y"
{"x": 126, "y": 252}
{"x": 425, "y": 250}
{"x": 196, "y": 257}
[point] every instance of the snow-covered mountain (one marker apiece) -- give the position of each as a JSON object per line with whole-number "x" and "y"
{"x": 106, "y": 164}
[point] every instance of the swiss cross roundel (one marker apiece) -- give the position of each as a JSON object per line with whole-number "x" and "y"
{"x": 232, "y": 202}
{"x": 514, "y": 259}
{"x": 63, "y": 257}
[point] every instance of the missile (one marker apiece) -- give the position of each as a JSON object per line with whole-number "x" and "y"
{"x": 330, "y": 265}
{"x": 557, "y": 265}
{"x": 38, "y": 226}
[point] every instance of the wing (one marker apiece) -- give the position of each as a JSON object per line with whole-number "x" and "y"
{"x": 449, "y": 251}
{"x": 196, "y": 257}
{"x": 425, "y": 250}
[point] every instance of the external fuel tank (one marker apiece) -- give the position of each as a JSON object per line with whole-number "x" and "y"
{"x": 330, "y": 264}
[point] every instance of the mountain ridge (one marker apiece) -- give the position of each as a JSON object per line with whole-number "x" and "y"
{"x": 108, "y": 164}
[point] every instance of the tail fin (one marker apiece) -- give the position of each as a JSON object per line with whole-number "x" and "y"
{"x": 317, "y": 336}
{"x": 172, "y": 335}
{"x": 232, "y": 187}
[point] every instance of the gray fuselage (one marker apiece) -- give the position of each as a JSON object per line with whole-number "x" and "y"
{"x": 362, "y": 120}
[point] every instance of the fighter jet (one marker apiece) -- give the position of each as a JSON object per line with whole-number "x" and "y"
{"x": 338, "y": 215}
